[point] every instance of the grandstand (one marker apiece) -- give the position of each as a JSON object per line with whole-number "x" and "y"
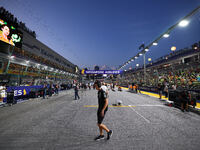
{"x": 180, "y": 67}
{"x": 29, "y": 61}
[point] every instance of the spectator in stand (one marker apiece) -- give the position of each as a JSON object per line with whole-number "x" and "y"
{"x": 174, "y": 87}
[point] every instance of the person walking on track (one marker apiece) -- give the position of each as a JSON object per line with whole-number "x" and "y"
{"x": 102, "y": 109}
{"x": 76, "y": 92}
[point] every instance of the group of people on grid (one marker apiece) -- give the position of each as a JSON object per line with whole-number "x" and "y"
{"x": 181, "y": 94}
{"x": 82, "y": 86}
{"x": 50, "y": 89}
{"x": 134, "y": 88}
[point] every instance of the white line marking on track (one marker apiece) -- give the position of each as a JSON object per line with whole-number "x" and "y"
{"x": 140, "y": 115}
{"x": 151, "y": 105}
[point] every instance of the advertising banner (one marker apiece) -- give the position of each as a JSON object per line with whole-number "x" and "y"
{"x": 21, "y": 91}
{"x": 102, "y": 72}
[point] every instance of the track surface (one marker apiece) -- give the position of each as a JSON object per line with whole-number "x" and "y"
{"x": 62, "y": 123}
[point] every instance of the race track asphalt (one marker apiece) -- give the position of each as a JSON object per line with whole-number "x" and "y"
{"x": 62, "y": 123}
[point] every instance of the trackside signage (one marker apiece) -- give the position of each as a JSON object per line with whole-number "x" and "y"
{"x": 102, "y": 71}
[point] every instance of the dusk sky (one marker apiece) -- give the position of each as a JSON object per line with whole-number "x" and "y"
{"x": 107, "y": 32}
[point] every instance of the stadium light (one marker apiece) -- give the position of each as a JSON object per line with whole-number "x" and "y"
{"x": 140, "y": 54}
{"x": 137, "y": 65}
{"x": 155, "y": 43}
{"x": 149, "y": 59}
{"x": 146, "y": 49}
{"x": 183, "y": 23}
{"x": 166, "y": 35}
{"x": 195, "y": 46}
{"x": 132, "y": 59}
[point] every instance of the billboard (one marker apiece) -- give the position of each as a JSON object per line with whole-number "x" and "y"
{"x": 9, "y": 34}
{"x": 101, "y": 72}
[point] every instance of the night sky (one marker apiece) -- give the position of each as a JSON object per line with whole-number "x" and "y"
{"x": 107, "y": 32}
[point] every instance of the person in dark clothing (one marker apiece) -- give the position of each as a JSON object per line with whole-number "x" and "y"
{"x": 76, "y": 92}
{"x": 136, "y": 88}
{"x": 50, "y": 90}
{"x": 56, "y": 89}
{"x": 89, "y": 86}
{"x": 166, "y": 91}
{"x": 102, "y": 109}
{"x": 139, "y": 87}
{"x": 44, "y": 91}
{"x": 160, "y": 90}
{"x": 113, "y": 87}
{"x": 184, "y": 98}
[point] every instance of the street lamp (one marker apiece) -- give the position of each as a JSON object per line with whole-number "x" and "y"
{"x": 183, "y": 23}
{"x": 155, "y": 43}
{"x": 166, "y": 35}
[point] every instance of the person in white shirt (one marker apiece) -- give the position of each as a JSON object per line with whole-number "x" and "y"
{"x": 104, "y": 88}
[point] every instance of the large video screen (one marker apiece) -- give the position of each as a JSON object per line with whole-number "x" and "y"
{"x": 10, "y": 34}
